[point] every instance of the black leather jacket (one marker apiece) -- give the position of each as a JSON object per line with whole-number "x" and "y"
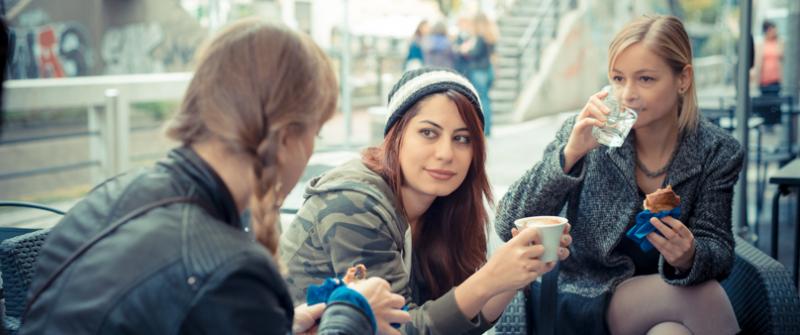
{"x": 180, "y": 268}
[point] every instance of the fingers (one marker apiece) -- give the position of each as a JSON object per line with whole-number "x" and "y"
{"x": 563, "y": 253}
{"x": 666, "y": 231}
{"x": 588, "y": 122}
{"x": 533, "y": 252}
{"x": 595, "y": 108}
{"x": 526, "y": 236}
{"x": 677, "y": 226}
{"x": 565, "y": 241}
{"x": 396, "y": 316}
{"x": 396, "y": 301}
{"x": 316, "y": 310}
{"x": 387, "y": 329}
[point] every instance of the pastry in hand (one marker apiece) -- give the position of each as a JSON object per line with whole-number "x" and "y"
{"x": 354, "y": 273}
{"x": 663, "y": 199}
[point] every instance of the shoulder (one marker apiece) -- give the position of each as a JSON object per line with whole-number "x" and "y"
{"x": 712, "y": 137}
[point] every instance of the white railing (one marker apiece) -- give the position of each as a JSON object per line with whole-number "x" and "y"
{"x": 710, "y": 71}
{"x": 107, "y": 100}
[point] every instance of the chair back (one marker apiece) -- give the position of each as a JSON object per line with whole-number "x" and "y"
{"x": 18, "y": 260}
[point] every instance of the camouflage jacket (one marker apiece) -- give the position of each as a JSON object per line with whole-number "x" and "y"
{"x": 349, "y": 217}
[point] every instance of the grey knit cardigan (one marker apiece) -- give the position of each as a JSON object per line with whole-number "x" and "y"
{"x": 602, "y": 200}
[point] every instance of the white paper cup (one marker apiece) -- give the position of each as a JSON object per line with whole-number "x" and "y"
{"x": 550, "y": 230}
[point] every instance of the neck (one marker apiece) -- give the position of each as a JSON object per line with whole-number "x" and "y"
{"x": 415, "y": 203}
{"x": 657, "y": 140}
{"x": 230, "y": 168}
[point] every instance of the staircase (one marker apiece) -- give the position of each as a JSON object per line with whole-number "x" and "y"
{"x": 525, "y": 30}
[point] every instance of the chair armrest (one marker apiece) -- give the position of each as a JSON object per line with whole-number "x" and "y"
{"x": 762, "y": 293}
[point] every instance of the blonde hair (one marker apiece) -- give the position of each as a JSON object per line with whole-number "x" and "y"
{"x": 666, "y": 37}
{"x": 254, "y": 82}
{"x": 485, "y": 28}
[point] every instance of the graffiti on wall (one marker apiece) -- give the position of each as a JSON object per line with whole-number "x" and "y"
{"x": 50, "y": 51}
{"x": 65, "y": 49}
{"x": 144, "y": 48}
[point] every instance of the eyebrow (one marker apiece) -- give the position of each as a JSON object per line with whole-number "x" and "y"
{"x": 637, "y": 72}
{"x": 440, "y": 127}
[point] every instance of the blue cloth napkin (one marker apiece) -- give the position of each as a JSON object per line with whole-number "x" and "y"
{"x": 638, "y": 233}
{"x": 334, "y": 290}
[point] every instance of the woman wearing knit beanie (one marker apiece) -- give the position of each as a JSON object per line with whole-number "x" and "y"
{"x": 412, "y": 210}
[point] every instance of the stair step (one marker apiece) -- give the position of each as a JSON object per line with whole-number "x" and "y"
{"x": 505, "y": 84}
{"x": 501, "y": 108}
{"x": 512, "y": 30}
{"x": 506, "y": 61}
{"x": 506, "y": 73}
{"x": 503, "y": 95}
{"x": 506, "y": 50}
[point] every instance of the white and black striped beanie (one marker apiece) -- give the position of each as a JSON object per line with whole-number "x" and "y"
{"x": 417, "y": 84}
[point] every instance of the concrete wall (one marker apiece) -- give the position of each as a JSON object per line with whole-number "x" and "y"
{"x": 574, "y": 64}
{"x": 95, "y": 37}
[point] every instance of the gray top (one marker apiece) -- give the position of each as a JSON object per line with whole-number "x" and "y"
{"x": 602, "y": 200}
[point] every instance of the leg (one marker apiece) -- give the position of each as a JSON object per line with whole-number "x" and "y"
{"x": 669, "y": 328}
{"x": 641, "y": 303}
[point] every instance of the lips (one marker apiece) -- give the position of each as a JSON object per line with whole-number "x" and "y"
{"x": 440, "y": 174}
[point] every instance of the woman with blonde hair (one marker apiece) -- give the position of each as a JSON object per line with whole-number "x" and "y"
{"x": 164, "y": 250}
{"x": 610, "y": 283}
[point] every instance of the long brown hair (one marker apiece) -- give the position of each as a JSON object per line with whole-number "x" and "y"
{"x": 665, "y": 36}
{"x": 254, "y": 82}
{"x": 450, "y": 240}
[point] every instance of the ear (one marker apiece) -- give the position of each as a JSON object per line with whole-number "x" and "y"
{"x": 286, "y": 146}
{"x": 685, "y": 78}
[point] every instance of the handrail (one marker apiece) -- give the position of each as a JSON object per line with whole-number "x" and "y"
{"x": 533, "y": 34}
{"x": 533, "y": 27}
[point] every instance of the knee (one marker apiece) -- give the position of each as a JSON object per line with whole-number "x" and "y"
{"x": 712, "y": 292}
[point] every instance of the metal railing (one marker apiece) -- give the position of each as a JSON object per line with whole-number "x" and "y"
{"x": 535, "y": 37}
{"x": 107, "y": 101}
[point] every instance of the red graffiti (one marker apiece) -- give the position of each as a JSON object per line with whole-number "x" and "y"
{"x": 49, "y": 64}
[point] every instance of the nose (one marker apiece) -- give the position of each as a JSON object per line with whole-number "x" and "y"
{"x": 629, "y": 95}
{"x": 444, "y": 149}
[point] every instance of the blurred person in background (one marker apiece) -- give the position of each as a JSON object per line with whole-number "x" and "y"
{"x": 415, "y": 58}
{"x": 437, "y": 47}
{"x": 164, "y": 251}
{"x": 768, "y": 59}
{"x": 477, "y": 51}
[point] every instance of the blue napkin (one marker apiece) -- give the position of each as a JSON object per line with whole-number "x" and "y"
{"x": 638, "y": 233}
{"x": 335, "y": 290}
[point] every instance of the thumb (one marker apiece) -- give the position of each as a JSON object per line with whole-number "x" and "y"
{"x": 316, "y": 310}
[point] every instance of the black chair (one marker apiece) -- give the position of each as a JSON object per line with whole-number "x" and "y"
{"x": 18, "y": 252}
{"x": 18, "y": 261}
{"x": 760, "y": 289}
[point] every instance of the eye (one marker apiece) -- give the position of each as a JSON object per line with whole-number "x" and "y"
{"x": 427, "y": 133}
{"x": 616, "y": 79}
{"x": 647, "y": 79}
{"x": 462, "y": 139}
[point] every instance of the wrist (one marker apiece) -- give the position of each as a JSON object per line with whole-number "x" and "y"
{"x": 476, "y": 290}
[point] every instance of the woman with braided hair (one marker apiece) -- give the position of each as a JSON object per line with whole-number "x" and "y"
{"x": 164, "y": 251}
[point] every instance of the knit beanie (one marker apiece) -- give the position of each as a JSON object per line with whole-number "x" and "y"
{"x": 417, "y": 84}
